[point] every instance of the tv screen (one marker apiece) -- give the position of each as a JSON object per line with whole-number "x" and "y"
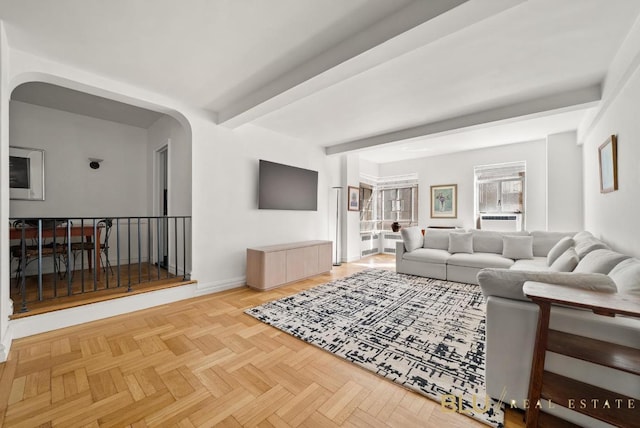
{"x": 284, "y": 187}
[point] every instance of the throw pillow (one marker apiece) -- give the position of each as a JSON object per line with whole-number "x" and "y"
{"x": 626, "y": 275}
{"x": 508, "y": 283}
{"x": 517, "y": 247}
{"x": 567, "y": 261}
{"x": 600, "y": 261}
{"x": 460, "y": 242}
{"x": 585, "y": 246}
{"x": 412, "y": 237}
{"x": 436, "y": 239}
{"x": 558, "y": 249}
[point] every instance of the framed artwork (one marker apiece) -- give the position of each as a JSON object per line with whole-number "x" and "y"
{"x": 26, "y": 174}
{"x": 353, "y": 198}
{"x": 608, "y": 160}
{"x": 444, "y": 201}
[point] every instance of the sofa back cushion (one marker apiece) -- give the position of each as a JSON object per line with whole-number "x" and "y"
{"x": 561, "y": 246}
{"x": 517, "y": 247}
{"x": 587, "y": 245}
{"x": 437, "y": 239}
{"x": 567, "y": 261}
{"x": 600, "y": 261}
{"x": 460, "y": 242}
{"x": 487, "y": 241}
{"x": 412, "y": 237}
{"x": 544, "y": 241}
{"x": 626, "y": 275}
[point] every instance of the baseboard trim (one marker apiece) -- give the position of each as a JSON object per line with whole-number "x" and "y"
{"x": 217, "y": 286}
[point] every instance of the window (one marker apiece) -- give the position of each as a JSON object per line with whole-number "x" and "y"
{"x": 500, "y": 188}
{"x": 387, "y": 201}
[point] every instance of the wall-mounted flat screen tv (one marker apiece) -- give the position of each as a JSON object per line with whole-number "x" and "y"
{"x": 284, "y": 187}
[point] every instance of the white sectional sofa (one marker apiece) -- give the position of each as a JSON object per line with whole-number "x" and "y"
{"x": 432, "y": 256}
{"x": 573, "y": 260}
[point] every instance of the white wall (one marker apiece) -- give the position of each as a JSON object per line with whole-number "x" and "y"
{"x": 5, "y": 299}
{"x": 168, "y": 131}
{"x": 564, "y": 184}
{"x": 614, "y": 216}
{"x": 457, "y": 169}
{"x": 226, "y": 218}
{"x": 72, "y": 189}
{"x": 350, "y": 175}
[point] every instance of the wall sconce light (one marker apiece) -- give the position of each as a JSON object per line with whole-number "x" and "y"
{"x": 94, "y": 163}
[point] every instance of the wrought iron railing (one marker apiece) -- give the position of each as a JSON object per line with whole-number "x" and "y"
{"x": 146, "y": 249}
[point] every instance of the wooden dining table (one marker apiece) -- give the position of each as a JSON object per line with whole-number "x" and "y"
{"x": 86, "y": 232}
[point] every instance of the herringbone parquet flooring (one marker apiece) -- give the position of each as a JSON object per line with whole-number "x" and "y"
{"x": 201, "y": 362}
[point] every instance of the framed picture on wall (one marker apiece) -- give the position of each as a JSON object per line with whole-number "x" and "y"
{"x": 26, "y": 174}
{"x": 353, "y": 198}
{"x": 608, "y": 159}
{"x": 444, "y": 201}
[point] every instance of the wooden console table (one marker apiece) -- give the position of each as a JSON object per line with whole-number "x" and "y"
{"x": 276, "y": 265}
{"x": 561, "y": 390}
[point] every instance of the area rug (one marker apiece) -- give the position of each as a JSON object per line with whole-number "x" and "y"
{"x": 425, "y": 334}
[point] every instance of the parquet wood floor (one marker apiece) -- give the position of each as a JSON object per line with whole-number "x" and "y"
{"x": 202, "y": 362}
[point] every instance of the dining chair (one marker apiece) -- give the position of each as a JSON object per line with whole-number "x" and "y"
{"x": 103, "y": 246}
{"x": 29, "y": 251}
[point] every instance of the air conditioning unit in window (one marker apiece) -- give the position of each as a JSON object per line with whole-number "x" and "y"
{"x": 501, "y": 222}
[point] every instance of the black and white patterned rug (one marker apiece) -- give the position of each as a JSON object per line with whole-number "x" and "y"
{"x": 423, "y": 333}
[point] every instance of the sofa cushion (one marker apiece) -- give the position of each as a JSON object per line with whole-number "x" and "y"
{"x": 587, "y": 245}
{"x": 567, "y": 261}
{"x": 437, "y": 239}
{"x": 544, "y": 241}
{"x": 585, "y": 234}
{"x": 460, "y": 242}
{"x": 600, "y": 261}
{"x": 626, "y": 275}
{"x": 517, "y": 247}
{"x": 508, "y": 283}
{"x": 487, "y": 241}
{"x": 427, "y": 255}
{"x": 534, "y": 264}
{"x": 412, "y": 237}
{"x": 479, "y": 260}
{"x": 557, "y": 250}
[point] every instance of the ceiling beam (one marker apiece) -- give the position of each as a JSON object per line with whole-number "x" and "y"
{"x": 536, "y": 107}
{"x": 398, "y": 33}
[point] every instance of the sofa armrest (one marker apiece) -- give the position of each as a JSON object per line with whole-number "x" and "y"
{"x": 508, "y": 283}
{"x": 399, "y": 251}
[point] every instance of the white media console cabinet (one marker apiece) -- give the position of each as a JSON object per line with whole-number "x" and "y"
{"x": 276, "y": 265}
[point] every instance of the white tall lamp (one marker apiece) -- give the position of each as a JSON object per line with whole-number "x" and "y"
{"x": 337, "y": 259}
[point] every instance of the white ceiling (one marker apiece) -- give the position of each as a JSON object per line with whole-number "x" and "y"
{"x": 348, "y": 74}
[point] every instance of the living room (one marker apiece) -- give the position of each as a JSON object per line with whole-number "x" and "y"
{"x": 318, "y": 128}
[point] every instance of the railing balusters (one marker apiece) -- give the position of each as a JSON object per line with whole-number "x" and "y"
{"x": 55, "y": 254}
{"x": 40, "y": 258}
{"x": 149, "y": 253}
{"x": 82, "y": 242}
{"x": 129, "y": 252}
{"x": 108, "y": 223}
{"x": 118, "y": 249}
{"x": 158, "y": 241}
{"x": 23, "y": 268}
{"x": 41, "y": 238}
{"x": 175, "y": 243}
{"x": 139, "y": 253}
{"x": 95, "y": 255}
{"x": 184, "y": 249}
{"x": 56, "y": 267}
